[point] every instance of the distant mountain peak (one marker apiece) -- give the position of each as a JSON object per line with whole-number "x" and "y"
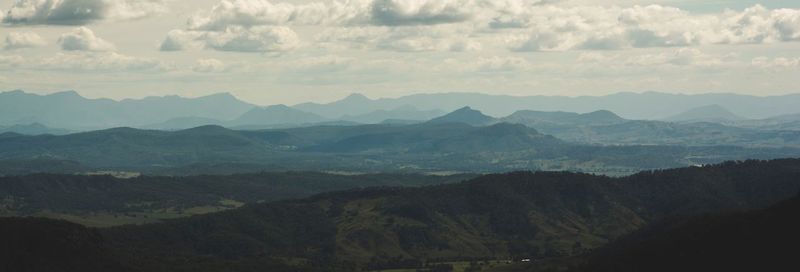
{"x": 17, "y": 91}
{"x": 604, "y": 115}
{"x": 276, "y": 115}
{"x": 708, "y": 113}
{"x": 465, "y": 115}
{"x": 356, "y": 98}
{"x": 206, "y": 128}
{"x": 222, "y": 95}
{"x": 67, "y": 93}
{"x": 279, "y": 107}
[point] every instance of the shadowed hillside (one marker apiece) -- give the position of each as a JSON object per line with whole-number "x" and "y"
{"x": 515, "y": 215}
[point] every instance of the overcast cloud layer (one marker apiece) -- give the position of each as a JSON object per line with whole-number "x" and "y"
{"x": 290, "y": 51}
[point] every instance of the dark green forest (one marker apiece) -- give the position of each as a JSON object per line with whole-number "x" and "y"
{"x": 520, "y": 215}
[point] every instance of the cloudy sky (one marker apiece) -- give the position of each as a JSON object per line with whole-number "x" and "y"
{"x": 273, "y": 51}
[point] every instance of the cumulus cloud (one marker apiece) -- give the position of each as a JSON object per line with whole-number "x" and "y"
{"x": 421, "y": 12}
{"x": 17, "y": 40}
{"x": 99, "y": 61}
{"x": 413, "y": 39}
{"x": 177, "y": 40}
{"x": 83, "y": 39}
{"x": 557, "y": 28}
{"x": 255, "y": 39}
{"x": 85, "y": 61}
{"x": 248, "y": 13}
{"x": 321, "y": 64}
{"x": 526, "y": 25}
{"x": 354, "y": 12}
{"x": 261, "y": 39}
{"x": 10, "y": 61}
{"x": 679, "y": 57}
{"x": 79, "y": 12}
{"x": 501, "y": 64}
{"x": 208, "y": 66}
{"x": 779, "y": 63}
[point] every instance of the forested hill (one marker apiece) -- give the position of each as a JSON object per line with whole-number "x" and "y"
{"x": 419, "y": 148}
{"x": 762, "y": 240}
{"x": 103, "y": 200}
{"x": 521, "y": 214}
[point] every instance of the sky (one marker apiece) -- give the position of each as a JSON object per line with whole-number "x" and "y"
{"x": 293, "y": 51}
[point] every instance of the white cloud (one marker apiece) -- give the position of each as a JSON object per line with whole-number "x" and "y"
{"x": 249, "y": 13}
{"x": 177, "y": 40}
{"x": 79, "y": 12}
{"x": 10, "y": 61}
{"x": 501, "y": 64}
{"x": 560, "y": 28}
{"x": 17, "y": 40}
{"x": 321, "y": 64}
{"x": 679, "y": 57}
{"x": 208, "y": 66}
{"x": 421, "y": 12}
{"x": 779, "y": 63}
{"x": 255, "y": 39}
{"x": 85, "y": 61}
{"x": 528, "y": 25}
{"x": 98, "y": 61}
{"x": 405, "y": 39}
{"x": 83, "y": 39}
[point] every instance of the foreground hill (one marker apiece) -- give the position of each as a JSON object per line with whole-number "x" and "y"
{"x": 761, "y": 240}
{"x": 521, "y": 215}
{"x": 102, "y": 200}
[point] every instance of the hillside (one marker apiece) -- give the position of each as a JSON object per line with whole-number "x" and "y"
{"x": 426, "y": 147}
{"x": 604, "y": 127}
{"x": 406, "y": 113}
{"x": 103, "y": 200}
{"x": 760, "y": 240}
{"x": 465, "y": 115}
{"x": 537, "y": 118}
{"x": 33, "y": 129}
{"x": 710, "y": 113}
{"x": 522, "y": 214}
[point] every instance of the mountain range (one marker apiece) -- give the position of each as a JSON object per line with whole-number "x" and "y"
{"x": 642, "y": 106}
{"x": 419, "y": 148}
{"x": 70, "y": 111}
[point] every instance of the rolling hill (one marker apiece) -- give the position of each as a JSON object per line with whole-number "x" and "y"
{"x": 741, "y": 241}
{"x": 499, "y": 216}
{"x": 426, "y": 147}
{"x": 465, "y": 115}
